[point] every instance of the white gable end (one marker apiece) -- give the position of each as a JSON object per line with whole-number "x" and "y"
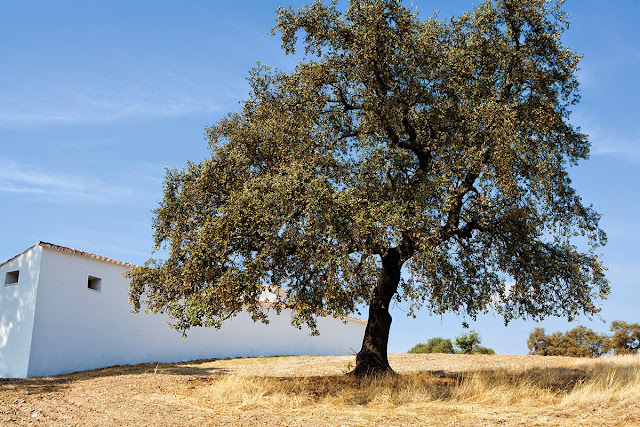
{"x": 17, "y": 308}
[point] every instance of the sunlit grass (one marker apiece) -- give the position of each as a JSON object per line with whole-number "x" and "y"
{"x": 611, "y": 383}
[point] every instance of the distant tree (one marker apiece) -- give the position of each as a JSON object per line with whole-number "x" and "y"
{"x": 434, "y": 345}
{"x": 626, "y": 337}
{"x": 438, "y": 146}
{"x": 538, "y": 342}
{"x": 586, "y": 343}
{"x": 577, "y": 342}
{"x": 468, "y": 342}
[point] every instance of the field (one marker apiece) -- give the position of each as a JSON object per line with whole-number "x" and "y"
{"x": 458, "y": 390}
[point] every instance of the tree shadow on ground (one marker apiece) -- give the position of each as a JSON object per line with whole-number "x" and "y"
{"x": 29, "y": 386}
{"x": 43, "y": 385}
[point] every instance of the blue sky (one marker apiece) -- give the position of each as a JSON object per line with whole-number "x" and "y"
{"x": 96, "y": 98}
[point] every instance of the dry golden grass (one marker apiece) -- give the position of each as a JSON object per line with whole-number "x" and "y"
{"x": 313, "y": 391}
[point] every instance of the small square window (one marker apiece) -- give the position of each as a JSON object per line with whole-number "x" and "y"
{"x": 94, "y": 283}
{"x": 11, "y": 278}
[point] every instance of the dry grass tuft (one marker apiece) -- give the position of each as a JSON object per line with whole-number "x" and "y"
{"x": 613, "y": 381}
{"x": 338, "y": 390}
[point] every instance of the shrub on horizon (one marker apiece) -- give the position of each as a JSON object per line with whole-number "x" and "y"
{"x": 467, "y": 342}
{"x": 434, "y": 345}
{"x": 483, "y": 350}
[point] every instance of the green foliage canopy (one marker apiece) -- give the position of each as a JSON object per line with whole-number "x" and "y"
{"x": 436, "y": 146}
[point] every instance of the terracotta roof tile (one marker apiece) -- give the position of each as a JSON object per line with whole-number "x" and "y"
{"x": 85, "y": 254}
{"x": 20, "y": 254}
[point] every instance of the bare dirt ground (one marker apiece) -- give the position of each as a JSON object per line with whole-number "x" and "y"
{"x": 313, "y": 391}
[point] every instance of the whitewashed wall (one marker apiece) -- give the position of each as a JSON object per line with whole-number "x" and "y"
{"x": 76, "y": 328}
{"x": 17, "y": 307}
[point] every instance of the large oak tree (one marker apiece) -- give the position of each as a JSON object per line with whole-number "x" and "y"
{"x": 440, "y": 148}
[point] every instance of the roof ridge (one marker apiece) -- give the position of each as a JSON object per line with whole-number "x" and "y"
{"x": 20, "y": 254}
{"x": 85, "y": 254}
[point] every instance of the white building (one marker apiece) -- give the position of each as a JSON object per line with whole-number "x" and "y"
{"x": 64, "y": 310}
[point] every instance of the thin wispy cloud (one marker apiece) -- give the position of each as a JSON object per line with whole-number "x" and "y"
{"x": 18, "y": 179}
{"x": 610, "y": 142}
{"x": 628, "y": 150}
{"x": 104, "y": 99}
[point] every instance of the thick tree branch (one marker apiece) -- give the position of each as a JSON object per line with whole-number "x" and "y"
{"x": 411, "y": 144}
{"x": 451, "y": 227}
{"x": 343, "y": 101}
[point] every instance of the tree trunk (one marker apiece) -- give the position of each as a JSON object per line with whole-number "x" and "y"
{"x": 372, "y": 358}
